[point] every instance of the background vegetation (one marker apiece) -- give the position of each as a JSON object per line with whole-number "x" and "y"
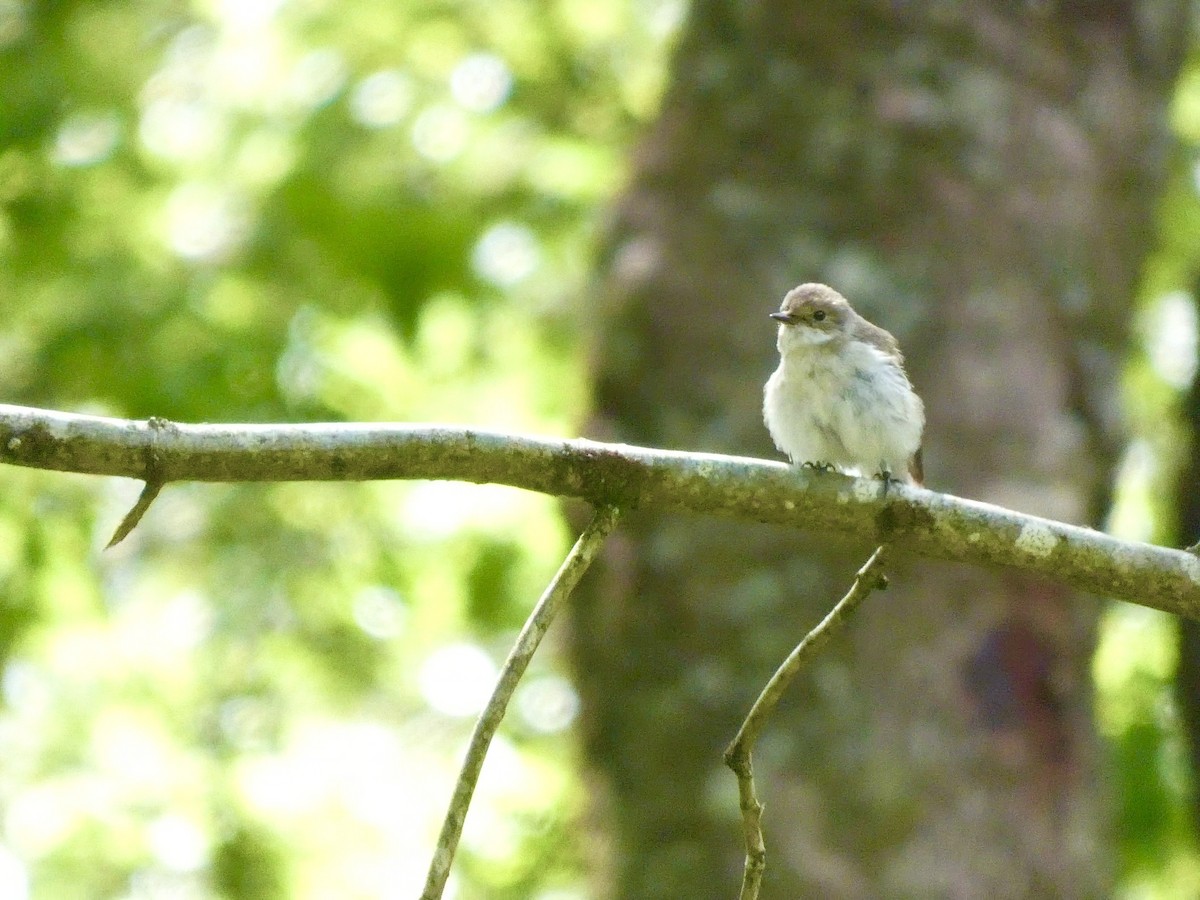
{"x": 269, "y": 211}
{"x": 363, "y": 210}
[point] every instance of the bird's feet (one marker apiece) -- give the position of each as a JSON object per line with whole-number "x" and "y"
{"x": 822, "y": 467}
{"x": 885, "y": 475}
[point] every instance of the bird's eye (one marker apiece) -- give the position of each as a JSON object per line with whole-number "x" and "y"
{"x": 819, "y": 315}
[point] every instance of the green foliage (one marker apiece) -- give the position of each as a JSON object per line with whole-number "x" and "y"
{"x": 248, "y": 863}
{"x": 273, "y": 211}
{"x": 1137, "y": 655}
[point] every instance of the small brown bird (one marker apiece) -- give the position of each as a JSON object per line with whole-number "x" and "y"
{"x": 840, "y": 396}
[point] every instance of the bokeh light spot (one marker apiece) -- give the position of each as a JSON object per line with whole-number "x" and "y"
{"x": 547, "y": 704}
{"x": 205, "y": 222}
{"x": 248, "y": 15}
{"x": 1171, "y": 338}
{"x": 382, "y": 99}
{"x": 181, "y": 130}
{"x": 440, "y": 133}
{"x": 12, "y": 21}
{"x": 481, "y": 82}
{"x": 14, "y": 878}
{"x": 379, "y": 612}
{"x": 457, "y": 679}
{"x": 506, "y": 253}
{"x": 316, "y": 78}
{"x": 86, "y": 138}
{"x": 178, "y": 843}
{"x": 246, "y": 722}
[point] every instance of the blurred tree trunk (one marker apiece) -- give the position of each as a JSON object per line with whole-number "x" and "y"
{"x": 978, "y": 177}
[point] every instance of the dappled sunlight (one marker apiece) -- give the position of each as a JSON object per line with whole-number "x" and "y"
{"x": 86, "y": 138}
{"x": 546, "y": 703}
{"x": 380, "y": 612}
{"x": 440, "y": 132}
{"x": 265, "y": 211}
{"x": 485, "y": 364}
{"x": 382, "y": 99}
{"x": 204, "y": 222}
{"x": 179, "y": 843}
{"x": 316, "y": 79}
{"x": 277, "y": 210}
{"x": 1137, "y": 652}
{"x": 1134, "y": 660}
{"x": 1132, "y": 515}
{"x": 14, "y": 21}
{"x": 506, "y": 254}
{"x": 360, "y": 799}
{"x": 40, "y": 818}
{"x": 436, "y": 510}
{"x": 481, "y": 82}
{"x": 1169, "y": 336}
{"x": 351, "y": 799}
{"x": 457, "y": 679}
{"x": 14, "y": 876}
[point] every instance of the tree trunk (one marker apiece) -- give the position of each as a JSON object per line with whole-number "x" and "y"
{"x": 978, "y": 178}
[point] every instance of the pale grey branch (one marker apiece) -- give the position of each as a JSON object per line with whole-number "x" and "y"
{"x": 912, "y": 519}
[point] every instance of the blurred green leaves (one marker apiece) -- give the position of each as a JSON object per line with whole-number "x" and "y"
{"x": 1137, "y": 656}
{"x": 284, "y": 210}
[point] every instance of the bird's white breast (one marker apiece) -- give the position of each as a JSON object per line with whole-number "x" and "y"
{"x": 845, "y": 403}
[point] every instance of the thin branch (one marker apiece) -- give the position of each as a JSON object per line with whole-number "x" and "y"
{"x": 145, "y": 498}
{"x": 913, "y": 519}
{"x": 556, "y": 594}
{"x": 738, "y": 755}
{"x": 154, "y": 483}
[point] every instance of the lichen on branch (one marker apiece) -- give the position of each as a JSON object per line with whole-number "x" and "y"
{"x": 919, "y": 521}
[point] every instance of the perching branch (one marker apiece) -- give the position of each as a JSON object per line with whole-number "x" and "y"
{"x": 531, "y": 635}
{"x": 913, "y": 519}
{"x": 738, "y": 756}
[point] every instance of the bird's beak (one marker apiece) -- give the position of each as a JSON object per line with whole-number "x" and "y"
{"x": 785, "y": 318}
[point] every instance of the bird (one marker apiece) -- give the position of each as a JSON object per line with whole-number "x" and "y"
{"x": 840, "y": 398}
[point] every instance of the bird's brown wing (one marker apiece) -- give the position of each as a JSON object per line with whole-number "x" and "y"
{"x": 916, "y": 468}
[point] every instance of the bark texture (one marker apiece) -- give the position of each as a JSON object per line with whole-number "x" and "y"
{"x": 978, "y": 178}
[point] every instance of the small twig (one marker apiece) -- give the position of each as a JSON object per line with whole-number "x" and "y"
{"x": 149, "y": 492}
{"x": 737, "y": 756}
{"x": 535, "y": 628}
{"x": 154, "y": 483}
